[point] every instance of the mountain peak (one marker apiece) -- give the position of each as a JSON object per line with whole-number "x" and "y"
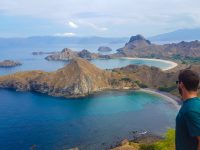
{"x": 138, "y": 37}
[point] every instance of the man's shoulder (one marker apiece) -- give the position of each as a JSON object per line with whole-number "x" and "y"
{"x": 193, "y": 105}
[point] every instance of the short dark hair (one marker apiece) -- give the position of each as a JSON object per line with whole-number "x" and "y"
{"x": 190, "y": 79}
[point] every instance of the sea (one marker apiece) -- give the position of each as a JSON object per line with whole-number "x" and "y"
{"x": 30, "y": 120}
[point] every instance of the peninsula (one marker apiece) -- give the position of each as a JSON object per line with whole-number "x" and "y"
{"x": 81, "y": 78}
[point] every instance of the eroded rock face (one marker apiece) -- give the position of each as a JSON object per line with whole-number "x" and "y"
{"x": 9, "y": 63}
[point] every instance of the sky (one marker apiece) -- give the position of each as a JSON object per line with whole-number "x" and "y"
{"x": 108, "y": 18}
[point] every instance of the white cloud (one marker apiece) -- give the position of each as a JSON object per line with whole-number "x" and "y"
{"x": 97, "y": 27}
{"x": 72, "y": 25}
{"x": 67, "y": 34}
{"x": 121, "y": 17}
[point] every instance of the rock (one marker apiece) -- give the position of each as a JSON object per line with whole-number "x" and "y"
{"x": 9, "y": 63}
{"x": 104, "y": 49}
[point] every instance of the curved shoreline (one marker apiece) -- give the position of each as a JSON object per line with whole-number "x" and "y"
{"x": 166, "y": 97}
{"x": 173, "y": 64}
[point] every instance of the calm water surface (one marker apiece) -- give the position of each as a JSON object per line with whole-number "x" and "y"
{"x": 94, "y": 122}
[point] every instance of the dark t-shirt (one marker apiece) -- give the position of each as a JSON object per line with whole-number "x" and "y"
{"x": 188, "y": 125}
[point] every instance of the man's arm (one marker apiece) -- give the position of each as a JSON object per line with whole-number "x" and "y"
{"x": 198, "y": 138}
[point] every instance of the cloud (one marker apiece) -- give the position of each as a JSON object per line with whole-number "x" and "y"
{"x": 116, "y": 17}
{"x": 67, "y": 34}
{"x": 72, "y": 25}
{"x": 96, "y": 27}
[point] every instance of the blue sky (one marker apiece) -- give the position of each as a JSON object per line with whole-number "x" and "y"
{"x": 110, "y": 18}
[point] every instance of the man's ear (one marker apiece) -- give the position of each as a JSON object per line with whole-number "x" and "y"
{"x": 182, "y": 86}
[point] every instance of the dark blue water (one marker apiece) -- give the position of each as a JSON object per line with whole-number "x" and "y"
{"x": 95, "y": 122}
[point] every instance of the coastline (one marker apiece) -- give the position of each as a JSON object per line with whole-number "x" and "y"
{"x": 173, "y": 64}
{"x": 168, "y": 97}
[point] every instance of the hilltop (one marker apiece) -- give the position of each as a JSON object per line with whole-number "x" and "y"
{"x": 77, "y": 79}
{"x": 81, "y": 78}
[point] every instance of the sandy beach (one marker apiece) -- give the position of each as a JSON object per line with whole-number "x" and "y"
{"x": 172, "y": 99}
{"x": 173, "y": 64}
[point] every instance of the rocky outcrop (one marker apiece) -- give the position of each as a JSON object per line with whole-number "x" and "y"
{"x": 104, "y": 49}
{"x": 9, "y": 63}
{"x": 79, "y": 78}
{"x": 68, "y": 54}
{"x": 138, "y": 46}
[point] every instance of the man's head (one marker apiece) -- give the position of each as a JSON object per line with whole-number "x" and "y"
{"x": 188, "y": 81}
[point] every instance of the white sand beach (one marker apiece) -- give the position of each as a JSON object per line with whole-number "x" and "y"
{"x": 173, "y": 64}
{"x": 166, "y": 97}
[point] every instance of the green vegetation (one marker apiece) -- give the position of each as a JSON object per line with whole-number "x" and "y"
{"x": 167, "y": 144}
{"x": 186, "y": 59}
{"x": 167, "y": 88}
{"x": 126, "y": 79}
{"x": 140, "y": 84}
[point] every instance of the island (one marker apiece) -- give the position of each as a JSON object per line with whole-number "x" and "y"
{"x": 68, "y": 54}
{"x": 104, "y": 49}
{"x": 9, "y": 63}
{"x": 81, "y": 78}
{"x": 139, "y": 47}
{"x": 42, "y": 53}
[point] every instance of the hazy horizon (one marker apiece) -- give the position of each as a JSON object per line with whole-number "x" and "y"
{"x": 21, "y": 18}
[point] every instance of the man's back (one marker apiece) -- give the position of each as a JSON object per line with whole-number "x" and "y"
{"x": 188, "y": 125}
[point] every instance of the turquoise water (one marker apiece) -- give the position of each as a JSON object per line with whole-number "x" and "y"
{"x": 94, "y": 122}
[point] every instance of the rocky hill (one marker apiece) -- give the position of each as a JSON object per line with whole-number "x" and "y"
{"x": 81, "y": 78}
{"x": 68, "y": 54}
{"x": 138, "y": 46}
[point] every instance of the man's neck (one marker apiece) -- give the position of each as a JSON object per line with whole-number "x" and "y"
{"x": 189, "y": 95}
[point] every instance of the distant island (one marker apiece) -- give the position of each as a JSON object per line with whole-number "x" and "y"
{"x": 42, "y": 53}
{"x": 104, "y": 49}
{"x": 81, "y": 78}
{"x": 140, "y": 47}
{"x": 68, "y": 54}
{"x": 9, "y": 63}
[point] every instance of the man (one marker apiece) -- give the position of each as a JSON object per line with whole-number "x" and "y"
{"x": 188, "y": 118}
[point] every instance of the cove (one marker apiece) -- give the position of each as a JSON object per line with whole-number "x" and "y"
{"x": 93, "y": 122}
